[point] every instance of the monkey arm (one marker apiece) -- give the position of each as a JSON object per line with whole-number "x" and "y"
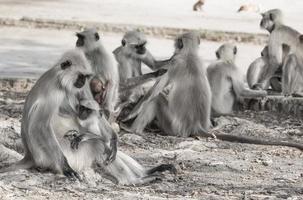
{"x": 241, "y": 91}
{"x": 275, "y": 54}
{"x": 152, "y": 93}
{"x": 139, "y": 80}
{"x": 152, "y": 63}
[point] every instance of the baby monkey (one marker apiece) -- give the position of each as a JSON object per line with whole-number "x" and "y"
{"x": 123, "y": 169}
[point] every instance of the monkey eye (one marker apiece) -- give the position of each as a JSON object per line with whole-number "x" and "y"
{"x": 138, "y": 46}
{"x": 66, "y": 64}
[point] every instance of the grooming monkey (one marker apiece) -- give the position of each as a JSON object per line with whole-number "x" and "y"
{"x": 272, "y": 21}
{"x": 292, "y": 79}
{"x": 130, "y": 56}
{"x": 185, "y": 110}
{"x": 55, "y": 93}
{"x": 123, "y": 169}
{"x": 102, "y": 66}
{"x": 226, "y": 83}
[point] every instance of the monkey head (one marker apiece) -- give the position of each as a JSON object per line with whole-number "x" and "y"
{"x": 227, "y": 52}
{"x": 73, "y": 70}
{"x": 87, "y": 108}
{"x": 98, "y": 89}
{"x": 187, "y": 41}
{"x": 270, "y": 19}
{"x": 134, "y": 42}
{"x": 87, "y": 39}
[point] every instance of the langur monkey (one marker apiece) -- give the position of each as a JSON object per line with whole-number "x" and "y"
{"x": 185, "y": 111}
{"x": 124, "y": 169}
{"x": 272, "y": 21}
{"x": 256, "y": 69}
{"x": 226, "y": 83}
{"x": 292, "y": 79}
{"x": 130, "y": 56}
{"x": 55, "y": 93}
{"x": 102, "y": 66}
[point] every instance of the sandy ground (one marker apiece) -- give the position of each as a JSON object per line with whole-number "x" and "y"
{"x": 217, "y": 14}
{"x": 30, "y": 52}
{"x": 207, "y": 168}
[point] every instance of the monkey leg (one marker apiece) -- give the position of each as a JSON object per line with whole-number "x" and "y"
{"x": 77, "y": 139}
{"x": 275, "y": 83}
{"x": 145, "y": 116}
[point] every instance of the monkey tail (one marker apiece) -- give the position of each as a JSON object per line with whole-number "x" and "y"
{"x": 162, "y": 168}
{"x": 25, "y": 163}
{"x": 249, "y": 140}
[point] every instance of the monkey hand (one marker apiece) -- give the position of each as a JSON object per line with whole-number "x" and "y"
{"x": 160, "y": 72}
{"x": 74, "y": 144}
{"x": 111, "y": 152}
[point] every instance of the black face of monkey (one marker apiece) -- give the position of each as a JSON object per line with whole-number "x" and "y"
{"x": 81, "y": 79}
{"x": 140, "y": 48}
{"x": 84, "y": 112}
{"x": 80, "y": 41}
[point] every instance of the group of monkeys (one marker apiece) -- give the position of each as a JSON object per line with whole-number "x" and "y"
{"x": 70, "y": 112}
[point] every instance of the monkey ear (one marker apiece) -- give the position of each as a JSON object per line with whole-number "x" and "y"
{"x": 179, "y": 43}
{"x": 262, "y": 54}
{"x": 97, "y": 37}
{"x": 262, "y": 14}
{"x": 235, "y": 50}
{"x": 123, "y": 42}
{"x": 66, "y": 64}
{"x": 301, "y": 39}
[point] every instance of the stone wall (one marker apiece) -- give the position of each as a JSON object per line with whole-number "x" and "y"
{"x": 284, "y": 105}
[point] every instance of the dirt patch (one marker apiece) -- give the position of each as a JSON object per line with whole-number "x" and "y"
{"x": 207, "y": 168}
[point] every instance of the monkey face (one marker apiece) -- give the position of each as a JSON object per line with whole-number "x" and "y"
{"x": 80, "y": 40}
{"x": 80, "y": 81}
{"x": 140, "y": 48}
{"x": 87, "y": 37}
{"x": 269, "y": 19}
{"x": 84, "y": 112}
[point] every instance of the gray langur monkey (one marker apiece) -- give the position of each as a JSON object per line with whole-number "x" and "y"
{"x": 185, "y": 111}
{"x": 226, "y": 83}
{"x": 132, "y": 53}
{"x": 102, "y": 66}
{"x": 123, "y": 169}
{"x": 256, "y": 70}
{"x": 130, "y": 56}
{"x": 272, "y": 21}
{"x": 292, "y": 79}
{"x": 57, "y": 88}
